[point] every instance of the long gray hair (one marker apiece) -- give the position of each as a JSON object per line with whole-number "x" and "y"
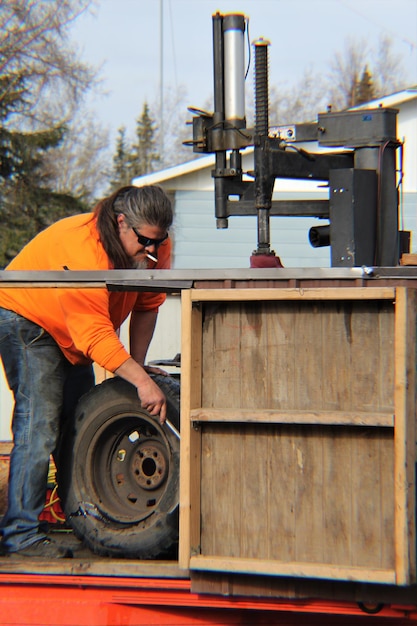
{"x": 140, "y": 205}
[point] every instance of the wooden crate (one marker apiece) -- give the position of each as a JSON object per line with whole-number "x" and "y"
{"x": 298, "y": 433}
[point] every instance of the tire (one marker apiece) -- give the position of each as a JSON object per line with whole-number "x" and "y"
{"x": 118, "y": 473}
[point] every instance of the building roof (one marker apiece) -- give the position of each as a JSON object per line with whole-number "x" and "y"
{"x": 169, "y": 173}
{"x": 391, "y": 100}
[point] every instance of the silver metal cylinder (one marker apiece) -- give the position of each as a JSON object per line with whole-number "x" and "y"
{"x": 234, "y": 67}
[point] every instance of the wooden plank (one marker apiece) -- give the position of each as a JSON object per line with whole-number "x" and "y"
{"x": 387, "y": 499}
{"x": 272, "y": 416}
{"x": 300, "y": 569}
{"x": 259, "y": 524}
{"x": 208, "y": 500}
{"x": 221, "y": 355}
{"x": 281, "y": 357}
{"x": 208, "y": 386}
{"x": 253, "y": 371}
{"x": 335, "y": 353}
{"x": 308, "y": 371}
{"x": 405, "y": 435}
{"x": 190, "y": 446}
{"x": 236, "y": 584}
{"x": 83, "y": 569}
{"x": 408, "y": 258}
{"x": 364, "y": 353}
{"x": 280, "y": 462}
{"x": 310, "y": 293}
{"x": 195, "y": 393}
{"x": 6, "y": 447}
{"x": 371, "y": 452}
{"x": 337, "y": 502}
{"x": 221, "y": 492}
{"x": 309, "y": 495}
{"x": 386, "y": 355}
{"x": 185, "y": 453}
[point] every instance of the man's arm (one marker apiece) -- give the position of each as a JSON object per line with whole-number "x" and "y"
{"x": 142, "y": 326}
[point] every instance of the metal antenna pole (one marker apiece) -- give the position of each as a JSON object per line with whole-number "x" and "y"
{"x": 161, "y": 79}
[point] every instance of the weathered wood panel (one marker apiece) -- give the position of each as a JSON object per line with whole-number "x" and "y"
{"x": 299, "y": 355}
{"x": 304, "y": 427}
{"x": 297, "y": 493}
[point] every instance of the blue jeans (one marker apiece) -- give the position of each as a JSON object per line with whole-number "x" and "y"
{"x": 46, "y": 388}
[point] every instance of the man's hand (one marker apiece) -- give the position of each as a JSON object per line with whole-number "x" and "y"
{"x": 152, "y": 399}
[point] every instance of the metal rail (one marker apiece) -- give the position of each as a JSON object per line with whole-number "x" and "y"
{"x": 174, "y": 281}
{"x": 185, "y": 277}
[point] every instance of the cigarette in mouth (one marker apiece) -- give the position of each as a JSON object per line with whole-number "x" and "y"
{"x": 151, "y": 257}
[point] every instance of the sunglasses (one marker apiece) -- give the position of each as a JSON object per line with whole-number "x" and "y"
{"x": 146, "y": 242}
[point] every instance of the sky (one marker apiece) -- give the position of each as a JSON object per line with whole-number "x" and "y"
{"x": 143, "y": 45}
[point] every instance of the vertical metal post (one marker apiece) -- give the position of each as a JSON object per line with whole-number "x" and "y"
{"x": 263, "y": 191}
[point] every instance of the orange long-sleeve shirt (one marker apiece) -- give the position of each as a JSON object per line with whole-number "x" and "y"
{"x": 83, "y": 322}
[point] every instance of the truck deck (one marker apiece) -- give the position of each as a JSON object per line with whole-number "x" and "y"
{"x": 269, "y": 542}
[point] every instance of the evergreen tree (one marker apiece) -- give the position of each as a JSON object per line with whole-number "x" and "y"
{"x": 11, "y": 97}
{"x": 145, "y": 157}
{"x": 137, "y": 158}
{"x": 121, "y": 171}
{"x": 41, "y": 83}
{"x": 364, "y": 89}
{"x": 27, "y": 203}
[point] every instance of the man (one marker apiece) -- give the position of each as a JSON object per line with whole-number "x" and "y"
{"x": 50, "y": 337}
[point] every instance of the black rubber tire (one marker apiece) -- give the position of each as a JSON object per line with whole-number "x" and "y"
{"x": 118, "y": 473}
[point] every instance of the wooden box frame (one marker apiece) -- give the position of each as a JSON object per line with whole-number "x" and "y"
{"x": 353, "y": 459}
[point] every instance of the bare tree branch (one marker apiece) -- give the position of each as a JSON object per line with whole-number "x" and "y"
{"x": 80, "y": 165}
{"x": 345, "y": 72}
{"x": 35, "y": 46}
